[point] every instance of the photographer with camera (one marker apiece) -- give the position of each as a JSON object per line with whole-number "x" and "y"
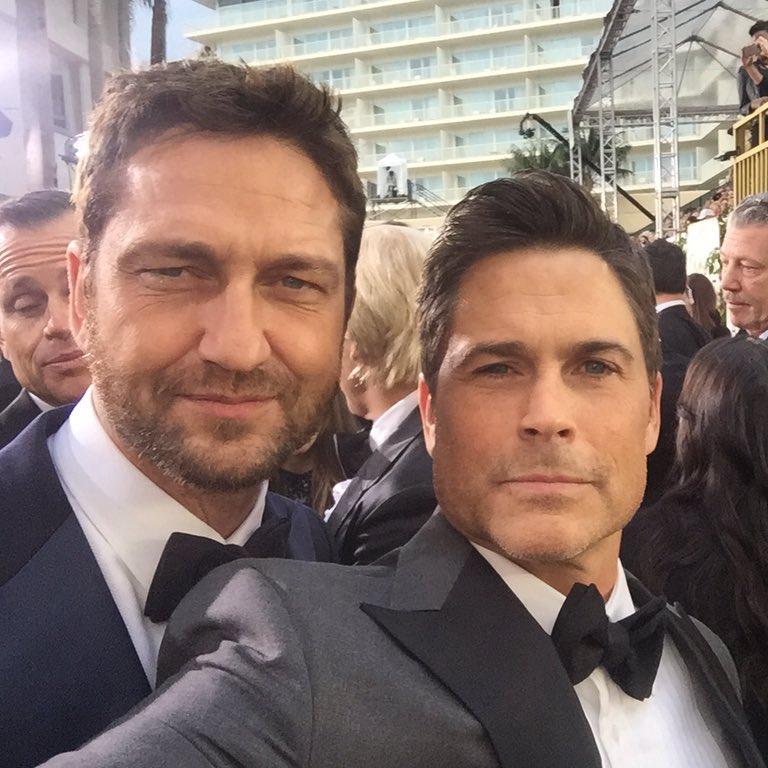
{"x": 753, "y": 74}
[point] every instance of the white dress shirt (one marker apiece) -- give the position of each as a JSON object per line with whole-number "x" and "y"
{"x": 41, "y": 404}
{"x": 126, "y": 519}
{"x": 764, "y": 335}
{"x": 664, "y": 731}
{"x": 667, "y": 304}
{"x": 381, "y": 430}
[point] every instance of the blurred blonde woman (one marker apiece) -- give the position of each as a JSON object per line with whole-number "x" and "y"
{"x": 392, "y": 494}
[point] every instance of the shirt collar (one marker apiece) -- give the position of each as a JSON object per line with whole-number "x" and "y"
{"x": 386, "y": 425}
{"x": 544, "y": 602}
{"x": 667, "y": 304}
{"x": 41, "y": 404}
{"x": 131, "y": 513}
{"x": 764, "y": 335}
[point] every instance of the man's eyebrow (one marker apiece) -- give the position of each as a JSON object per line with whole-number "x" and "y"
{"x": 194, "y": 251}
{"x": 496, "y": 349}
{"x": 516, "y": 349}
{"x": 22, "y": 283}
{"x": 601, "y": 347}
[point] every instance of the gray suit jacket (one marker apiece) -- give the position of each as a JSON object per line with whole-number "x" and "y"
{"x": 426, "y": 660}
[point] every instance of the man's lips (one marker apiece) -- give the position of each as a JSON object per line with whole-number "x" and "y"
{"x": 64, "y": 358}
{"x": 546, "y": 483}
{"x": 227, "y": 406}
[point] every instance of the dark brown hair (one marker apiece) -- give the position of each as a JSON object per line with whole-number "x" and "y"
{"x": 533, "y": 209}
{"x": 209, "y": 96}
{"x": 35, "y": 208}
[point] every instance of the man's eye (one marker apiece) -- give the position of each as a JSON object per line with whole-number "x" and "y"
{"x": 27, "y": 305}
{"x": 294, "y": 283}
{"x": 171, "y": 272}
{"x": 494, "y": 370}
{"x": 597, "y": 368}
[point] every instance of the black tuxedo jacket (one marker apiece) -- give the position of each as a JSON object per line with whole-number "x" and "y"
{"x": 21, "y": 412}
{"x": 426, "y": 659}
{"x": 9, "y": 387}
{"x": 680, "y": 333}
{"x": 67, "y": 664}
{"x": 389, "y": 499}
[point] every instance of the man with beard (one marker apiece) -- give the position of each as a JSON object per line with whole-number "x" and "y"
{"x": 221, "y": 215}
{"x": 35, "y": 230}
{"x": 505, "y": 633}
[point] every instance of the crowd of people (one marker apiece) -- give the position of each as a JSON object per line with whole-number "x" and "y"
{"x": 283, "y": 488}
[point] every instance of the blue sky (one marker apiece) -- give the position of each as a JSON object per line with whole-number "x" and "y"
{"x": 183, "y": 15}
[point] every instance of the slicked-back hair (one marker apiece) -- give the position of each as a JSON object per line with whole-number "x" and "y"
{"x": 211, "y": 97}
{"x": 532, "y": 209}
{"x": 751, "y": 211}
{"x": 668, "y": 268}
{"x": 35, "y": 208}
{"x": 758, "y": 26}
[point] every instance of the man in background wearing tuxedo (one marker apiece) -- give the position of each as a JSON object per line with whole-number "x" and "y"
{"x": 681, "y": 338}
{"x": 35, "y": 230}
{"x": 221, "y": 215}
{"x": 540, "y": 401}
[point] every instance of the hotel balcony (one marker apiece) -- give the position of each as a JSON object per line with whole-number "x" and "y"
{"x": 233, "y": 21}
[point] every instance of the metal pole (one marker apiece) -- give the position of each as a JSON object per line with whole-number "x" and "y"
{"x": 665, "y": 154}
{"x": 606, "y": 117}
{"x": 574, "y": 149}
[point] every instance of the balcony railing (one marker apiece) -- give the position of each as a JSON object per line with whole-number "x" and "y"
{"x": 439, "y": 154}
{"x": 478, "y": 109}
{"x": 242, "y": 14}
{"x": 456, "y": 69}
{"x": 259, "y": 10}
{"x": 750, "y": 165}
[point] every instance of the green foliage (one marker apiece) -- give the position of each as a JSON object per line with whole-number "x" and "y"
{"x": 550, "y": 155}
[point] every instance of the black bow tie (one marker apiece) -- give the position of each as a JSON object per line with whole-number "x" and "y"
{"x": 629, "y": 650}
{"x": 186, "y": 559}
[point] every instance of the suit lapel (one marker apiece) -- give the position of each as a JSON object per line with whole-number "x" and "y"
{"x": 489, "y": 652}
{"x": 705, "y": 668}
{"x": 374, "y": 468}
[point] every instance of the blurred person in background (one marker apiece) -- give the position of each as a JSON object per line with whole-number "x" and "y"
{"x": 752, "y": 78}
{"x": 681, "y": 337}
{"x": 704, "y": 307}
{"x": 705, "y": 543}
{"x": 35, "y": 338}
{"x": 392, "y": 495}
{"x": 744, "y": 258}
{"x": 334, "y": 454}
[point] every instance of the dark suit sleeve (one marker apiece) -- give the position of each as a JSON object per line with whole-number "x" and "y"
{"x": 238, "y": 695}
{"x": 391, "y": 524}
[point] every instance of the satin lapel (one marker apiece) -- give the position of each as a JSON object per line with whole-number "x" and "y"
{"x": 707, "y": 670}
{"x": 374, "y": 468}
{"x": 490, "y": 652}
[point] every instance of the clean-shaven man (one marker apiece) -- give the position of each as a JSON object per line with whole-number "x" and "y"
{"x": 221, "y": 214}
{"x": 744, "y": 256}
{"x": 506, "y": 632}
{"x": 35, "y": 337}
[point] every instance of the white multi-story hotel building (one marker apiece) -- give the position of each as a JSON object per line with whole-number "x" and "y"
{"x": 69, "y": 46}
{"x": 442, "y": 84}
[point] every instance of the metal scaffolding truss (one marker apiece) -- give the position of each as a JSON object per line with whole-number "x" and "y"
{"x": 664, "y": 57}
{"x": 612, "y": 97}
{"x": 606, "y": 126}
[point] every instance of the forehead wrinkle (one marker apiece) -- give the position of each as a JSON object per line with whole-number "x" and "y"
{"x": 14, "y": 258}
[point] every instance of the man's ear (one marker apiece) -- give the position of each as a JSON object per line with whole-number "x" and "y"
{"x": 654, "y": 416}
{"x": 427, "y": 414}
{"x": 76, "y": 272}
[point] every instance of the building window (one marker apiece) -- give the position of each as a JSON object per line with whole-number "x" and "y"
{"x": 57, "y": 98}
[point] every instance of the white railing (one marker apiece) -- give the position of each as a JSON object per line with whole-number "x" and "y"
{"x": 466, "y": 151}
{"x": 273, "y": 10}
{"x": 483, "y": 109}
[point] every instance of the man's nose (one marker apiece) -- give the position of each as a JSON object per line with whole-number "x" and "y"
{"x": 234, "y": 328}
{"x": 57, "y": 325}
{"x": 729, "y": 278}
{"x": 548, "y": 411}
